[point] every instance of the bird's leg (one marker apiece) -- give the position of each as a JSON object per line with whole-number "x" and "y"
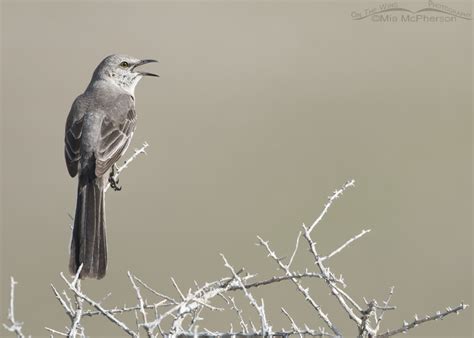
{"x": 114, "y": 181}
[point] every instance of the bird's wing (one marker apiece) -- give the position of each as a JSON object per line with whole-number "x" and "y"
{"x": 116, "y": 132}
{"x": 72, "y": 138}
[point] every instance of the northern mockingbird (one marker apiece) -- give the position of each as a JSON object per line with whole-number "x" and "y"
{"x": 99, "y": 129}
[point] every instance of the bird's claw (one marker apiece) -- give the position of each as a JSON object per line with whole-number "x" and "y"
{"x": 114, "y": 182}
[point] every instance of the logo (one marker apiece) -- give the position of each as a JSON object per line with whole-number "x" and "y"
{"x": 434, "y": 12}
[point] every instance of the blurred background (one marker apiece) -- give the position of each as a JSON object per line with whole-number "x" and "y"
{"x": 262, "y": 110}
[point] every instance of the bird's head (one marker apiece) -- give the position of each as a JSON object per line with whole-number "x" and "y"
{"x": 122, "y": 70}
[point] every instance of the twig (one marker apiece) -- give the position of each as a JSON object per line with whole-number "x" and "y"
{"x": 343, "y": 246}
{"x": 203, "y": 294}
{"x": 242, "y": 323}
{"x": 294, "y": 251}
{"x": 177, "y": 288}
{"x": 266, "y": 329}
{"x": 325, "y": 272}
{"x": 304, "y": 291}
{"x": 293, "y": 324}
{"x": 105, "y": 312}
{"x": 68, "y": 310}
{"x": 15, "y": 326}
{"x": 56, "y": 332}
{"x": 159, "y": 294}
{"x": 379, "y": 318}
{"x": 331, "y": 199}
{"x": 276, "y": 279}
{"x": 122, "y": 310}
{"x": 141, "y": 304}
{"x": 75, "y": 314}
{"x": 439, "y": 315}
{"x": 76, "y": 321}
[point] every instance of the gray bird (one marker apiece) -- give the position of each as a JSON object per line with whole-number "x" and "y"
{"x": 99, "y": 128}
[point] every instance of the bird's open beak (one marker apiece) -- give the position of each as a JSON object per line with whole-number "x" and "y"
{"x": 142, "y": 62}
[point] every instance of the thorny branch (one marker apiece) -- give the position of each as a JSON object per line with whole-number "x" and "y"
{"x": 15, "y": 326}
{"x": 180, "y": 314}
{"x": 75, "y": 287}
{"x": 266, "y": 329}
{"x": 439, "y": 315}
{"x": 118, "y": 170}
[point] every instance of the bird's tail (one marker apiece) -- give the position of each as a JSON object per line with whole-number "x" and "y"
{"x": 88, "y": 243}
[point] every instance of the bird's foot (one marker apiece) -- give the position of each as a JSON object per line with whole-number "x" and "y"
{"x": 114, "y": 182}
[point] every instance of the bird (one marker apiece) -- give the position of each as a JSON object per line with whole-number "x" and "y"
{"x": 99, "y": 128}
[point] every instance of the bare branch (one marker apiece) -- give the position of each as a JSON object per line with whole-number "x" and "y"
{"x": 141, "y": 304}
{"x": 178, "y": 289}
{"x": 159, "y": 294}
{"x": 439, "y": 315}
{"x": 122, "y": 310}
{"x": 293, "y": 324}
{"x": 304, "y": 291}
{"x": 242, "y": 323}
{"x": 68, "y": 310}
{"x": 379, "y": 318}
{"x": 185, "y": 312}
{"x": 56, "y": 332}
{"x": 276, "y": 279}
{"x": 15, "y": 326}
{"x": 76, "y": 329}
{"x": 294, "y": 251}
{"x": 105, "y": 312}
{"x": 345, "y": 245}
{"x": 331, "y": 199}
{"x": 325, "y": 272}
{"x": 266, "y": 329}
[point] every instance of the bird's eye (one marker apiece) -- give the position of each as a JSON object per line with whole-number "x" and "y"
{"x": 124, "y": 64}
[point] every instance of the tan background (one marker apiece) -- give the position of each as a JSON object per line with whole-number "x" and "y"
{"x": 262, "y": 110}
